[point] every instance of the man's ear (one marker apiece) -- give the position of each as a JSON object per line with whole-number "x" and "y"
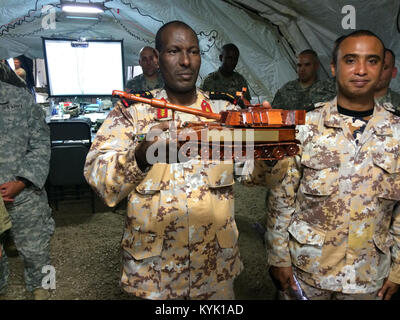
{"x": 333, "y": 69}
{"x": 394, "y": 72}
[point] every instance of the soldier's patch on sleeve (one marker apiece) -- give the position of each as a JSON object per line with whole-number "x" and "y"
{"x": 205, "y": 106}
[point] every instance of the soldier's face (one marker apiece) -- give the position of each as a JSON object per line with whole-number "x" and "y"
{"x": 229, "y": 59}
{"x": 359, "y": 66}
{"x": 389, "y": 72}
{"x": 148, "y": 62}
{"x": 306, "y": 67}
{"x": 179, "y": 59}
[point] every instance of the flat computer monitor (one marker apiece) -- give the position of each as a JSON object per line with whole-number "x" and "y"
{"x": 83, "y": 68}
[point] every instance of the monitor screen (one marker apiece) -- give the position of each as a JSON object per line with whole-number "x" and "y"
{"x": 76, "y": 68}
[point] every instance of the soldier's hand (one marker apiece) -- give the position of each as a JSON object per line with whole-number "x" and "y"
{"x": 11, "y": 189}
{"x": 266, "y": 104}
{"x": 284, "y": 276}
{"x": 388, "y": 289}
{"x": 165, "y": 145}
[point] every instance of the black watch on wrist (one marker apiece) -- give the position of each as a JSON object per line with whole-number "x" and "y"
{"x": 26, "y": 182}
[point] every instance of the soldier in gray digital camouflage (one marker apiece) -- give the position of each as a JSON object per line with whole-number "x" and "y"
{"x": 151, "y": 77}
{"x": 24, "y": 166}
{"x": 334, "y": 220}
{"x": 295, "y": 95}
{"x": 383, "y": 93}
{"x": 226, "y": 79}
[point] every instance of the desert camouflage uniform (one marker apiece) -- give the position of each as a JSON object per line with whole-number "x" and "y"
{"x": 335, "y": 215}
{"x": 8, "y": 75}
{"x": 139, "y": 83}
{"x": 215, "y": 81}
{"x": 293, "y": 97}
{"x": 180, "y": 238}
{"x": 323, "y": 90}
{"x": 392, "y": 97}
{"x": 25, "y": 153}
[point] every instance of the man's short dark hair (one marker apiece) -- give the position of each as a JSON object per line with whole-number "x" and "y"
{"x": 230, "y": 47}
{"x": 159, "y": 43}
{"x": 310, "y": 52}
{"x": 357, "y": 33}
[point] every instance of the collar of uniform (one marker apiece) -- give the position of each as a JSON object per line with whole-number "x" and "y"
{"x": 201, "y": 95}
{"x": 332, "y": 115}
{"x": 382, "y": 120}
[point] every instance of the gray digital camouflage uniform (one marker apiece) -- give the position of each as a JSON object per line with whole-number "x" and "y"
{"x": 323, "y": 90}
{"x": 25, "y": 152}
{"x": 139, "y": 83}
{"x": 215, "y": 81}
{"x": 391, "y": 96}
{"x": 292, "y": 96}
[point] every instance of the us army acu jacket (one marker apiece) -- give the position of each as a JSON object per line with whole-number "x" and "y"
{"x": 292, "y": 96}
{"x": 25, "y": 138}
{"x": 215, "y": 81}
{"x": 139, "y": 83}
{"x": 335, "y": 215}
{"x": 180, "y": 233}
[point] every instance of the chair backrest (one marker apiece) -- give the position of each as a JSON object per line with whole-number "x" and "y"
{"x": 70, "y": 130}
{"x": 66, "y": 164}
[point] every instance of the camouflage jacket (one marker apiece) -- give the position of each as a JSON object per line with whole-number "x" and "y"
{"x": 24, "y": 137}
{"x": 293, "y": 97}
{"x": 139, "y": 83}
{"x": 335, "y": 215}
{"x": 180, "y": 233}
{"x": 323, "y": 90}
{"x": 215, "y": 81}
{"x": 391, "y": 96}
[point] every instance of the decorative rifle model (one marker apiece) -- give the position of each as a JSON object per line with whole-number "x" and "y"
{"x": 272, "y": 131}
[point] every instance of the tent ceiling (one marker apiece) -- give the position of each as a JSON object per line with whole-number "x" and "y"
{"x": 267, "y": 54}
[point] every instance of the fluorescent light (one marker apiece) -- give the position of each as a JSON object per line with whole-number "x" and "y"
{"x": 79, "y": 7}
{"x": 81, "y": 17}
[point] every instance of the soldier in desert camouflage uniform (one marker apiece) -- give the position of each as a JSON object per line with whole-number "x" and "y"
{"x": 151, "y": 77}
{"x": 296, "y": 94}
{"x": 383, "y": 93}
{"x": 180, "y": 239}
{"x": 24, "y": 165}
{"x": 225, "y": 79}
{"x": 334, "y": 221}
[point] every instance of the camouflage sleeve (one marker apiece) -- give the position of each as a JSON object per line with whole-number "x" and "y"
{"x": 110, "y": 167}
{"x": 394, "y": 274}
{"x": 280, "y": 207}
{"x": 247, "y": 95}
{"x": 35, "y": 166}
{"x": 207, "y": 84}
{"x": 278, "y": 100}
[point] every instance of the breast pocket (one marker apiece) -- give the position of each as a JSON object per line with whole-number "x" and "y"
{"x": 320, "y": 172}
{"x": 387, "y": 169}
